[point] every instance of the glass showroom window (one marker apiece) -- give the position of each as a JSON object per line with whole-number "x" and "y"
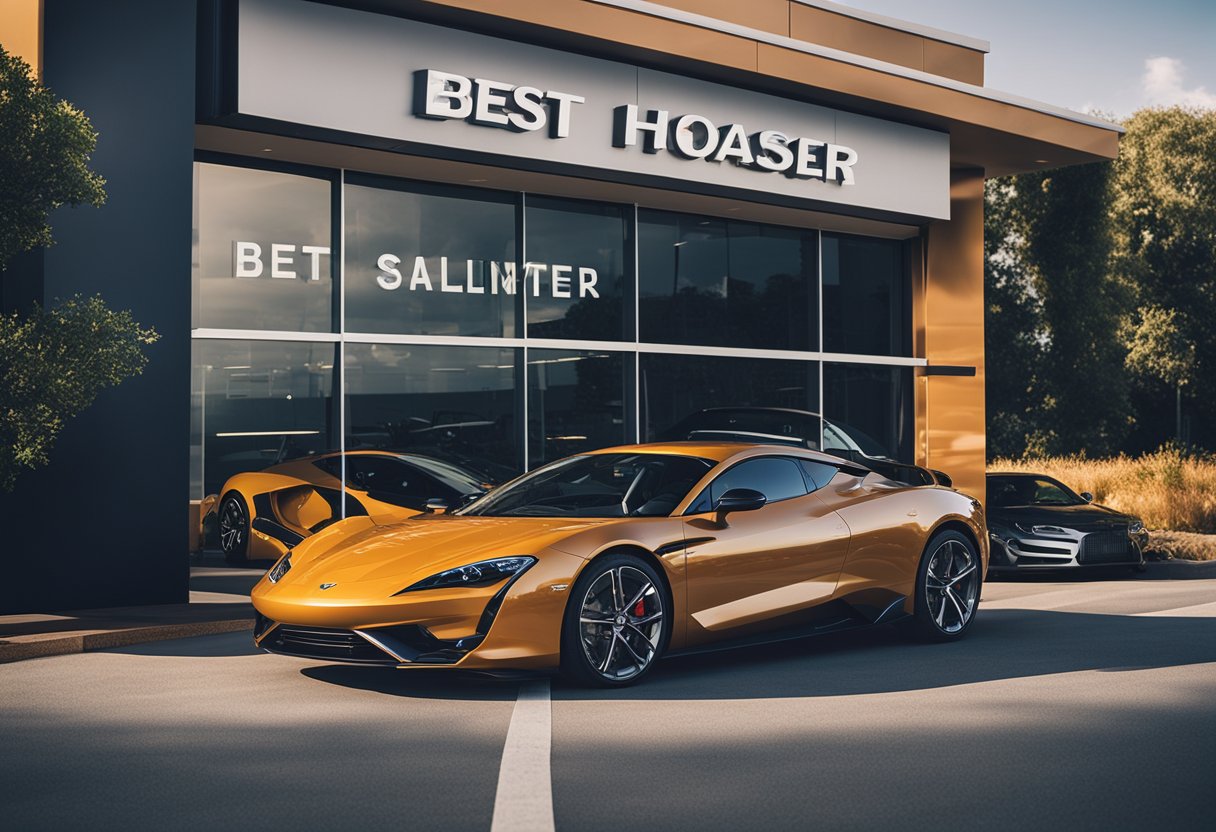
{"x": 868, "y": 409}
{"x": 576, "y": 402}
{"x": 261, "y": 255}
{"x": 726, "y": 283}
{"x": 427, "y": 259}
{"x": 578, "y": 279}
{"x": 452, "y": 403}
{"x": 776, "y": 398}
{"x": 256, "y": 403}
{"x": 866, "y": 296}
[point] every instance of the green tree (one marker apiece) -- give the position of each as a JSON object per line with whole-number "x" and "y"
{"x": 45, "y": 144}
{"x": 1164, "y": 212}
{"x": 1013, "y": 334}
{"x": 53, "y": 362}
{"x": 1057, "y": 376}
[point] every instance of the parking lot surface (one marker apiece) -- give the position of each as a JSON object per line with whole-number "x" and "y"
{"x": 1088, "y": 704}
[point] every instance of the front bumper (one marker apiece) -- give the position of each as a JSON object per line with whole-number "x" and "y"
{"x": 515, "y": 624}
{"x": 1068, "y": 549}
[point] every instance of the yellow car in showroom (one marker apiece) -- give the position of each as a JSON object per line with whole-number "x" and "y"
{"x": 260, "y": 515}
{"x": 600, "y": 563}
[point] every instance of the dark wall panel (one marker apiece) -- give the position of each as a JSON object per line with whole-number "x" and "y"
{"x": 106, "y": 523}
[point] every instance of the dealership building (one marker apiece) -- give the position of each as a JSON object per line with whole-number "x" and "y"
{"x": 503, "y": 232}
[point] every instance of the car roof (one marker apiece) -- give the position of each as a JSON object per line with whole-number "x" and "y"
{"x": 723, "y": 451}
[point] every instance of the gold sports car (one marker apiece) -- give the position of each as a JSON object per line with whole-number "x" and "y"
{"x": 601, "y": 563}
{"x": 260, "y": 515}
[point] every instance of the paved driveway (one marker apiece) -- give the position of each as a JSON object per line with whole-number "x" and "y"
{"x": 1084, "y": 705}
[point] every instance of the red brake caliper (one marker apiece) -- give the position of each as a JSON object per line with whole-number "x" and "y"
{"x": 639, "y": 609}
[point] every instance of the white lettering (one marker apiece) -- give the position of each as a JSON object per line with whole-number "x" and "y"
{"x": 534, "y": 269}
{"x": 470, "y": 286}
{"x": 504, "y": 276}
{"x": 444, "y": 286}
{"x": 732, "y": 144}
{"x": 627, "y": 125}
{"x": 685, "y": 136}
{"x": 390, "y": 278}
{"x": 840, "y": 164}
{"x": 278, "y": 260}
{"x": 561, "y": 281}
{"x": 443, "y": 94}
{"x": 420, "y": 276}
{"x": 806, "y": 154}
{"x": 560, "y": 128}
{"x": 532, "y": 114}
{"x": 488, "y": 101}
{"x": 771, "y": 151}
{"x": 315, "y": 252}
{"x": 587, "y": 278}
{"x": 247, "y": 260}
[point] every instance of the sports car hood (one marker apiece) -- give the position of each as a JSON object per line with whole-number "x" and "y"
{"x": 403, "y": 552}
{"x": 1082, "y": 517}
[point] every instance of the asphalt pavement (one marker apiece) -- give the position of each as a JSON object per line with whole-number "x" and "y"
{"x": 1087, "y": 704}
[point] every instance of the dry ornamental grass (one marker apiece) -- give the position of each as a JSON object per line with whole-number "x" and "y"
{"x": 1167, "y": 490}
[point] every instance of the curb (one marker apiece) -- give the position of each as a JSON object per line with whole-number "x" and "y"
{"x": 18, "y": 648}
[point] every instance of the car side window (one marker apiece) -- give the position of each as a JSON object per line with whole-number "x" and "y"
{"x": 776, "y": 477}
{"x": 818, "y": 474}
{"x": 396, "y": 481}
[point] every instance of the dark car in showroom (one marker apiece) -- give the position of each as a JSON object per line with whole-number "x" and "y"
{"x": 1037, "y": 522}
{"x": 799, "y": 429}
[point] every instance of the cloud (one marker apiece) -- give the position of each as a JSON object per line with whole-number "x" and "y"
{"x": 1162, "y": 84}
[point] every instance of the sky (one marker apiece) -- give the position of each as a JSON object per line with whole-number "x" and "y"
{"x": 1109, "y": 57}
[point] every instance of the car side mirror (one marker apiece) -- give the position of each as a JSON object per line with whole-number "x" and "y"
{"x": 1087, "y": 496}
{"x": 740, "y": 499}
{"x": 436, "y": 505}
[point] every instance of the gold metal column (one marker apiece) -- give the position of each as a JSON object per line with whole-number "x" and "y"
{"x": 950, "y": 408}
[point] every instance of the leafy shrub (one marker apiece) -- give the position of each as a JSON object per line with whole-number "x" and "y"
{"x": 53, "y": 363}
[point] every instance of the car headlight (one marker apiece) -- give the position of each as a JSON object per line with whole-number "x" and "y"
{"x": 482, "y": 573}
{"x": 1135, "y": 527}
{"x": 280, "y": 569}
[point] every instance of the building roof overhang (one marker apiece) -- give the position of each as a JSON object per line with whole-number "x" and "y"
{"x": 990, "y": 130}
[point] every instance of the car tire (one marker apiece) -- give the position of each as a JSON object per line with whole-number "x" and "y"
{"x": 612, "y": 637}
{"x": 948, "y": 588}
{"x": 233, "y": 523}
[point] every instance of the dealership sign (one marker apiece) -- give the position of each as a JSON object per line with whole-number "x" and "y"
{"x": 447, "y": 95}
{"x": 405, "y": 86}
{"x": 290, "y": 261}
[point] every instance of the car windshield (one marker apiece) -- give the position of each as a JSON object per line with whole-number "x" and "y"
{"x": 597, "y": 485}
{"x": 460, "y": 481}
{"x": 1030, "y": 491}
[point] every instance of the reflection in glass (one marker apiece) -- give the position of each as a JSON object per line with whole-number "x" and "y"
{"x": 261, "y": 255}
{"x": 257, "y": 403}
{"x": 456, "y": 404}
{"x": 726, "y": 283}
{"x": 429, "y": 260}
{"x": 577, "y": 283}
{"x": 575, "y": 403}
{"x": 677, "y": 389}
{"x": 866, "y": 298}
{"x": 868, "y": 410}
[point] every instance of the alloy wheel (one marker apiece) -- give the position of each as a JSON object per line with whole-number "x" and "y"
{"x": 621, "y": 623}
{"x": 233, "y": 526}
{"x": 952, "y": 582}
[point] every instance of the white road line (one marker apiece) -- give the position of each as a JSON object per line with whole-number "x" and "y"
{"x": 524, "y": 802}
